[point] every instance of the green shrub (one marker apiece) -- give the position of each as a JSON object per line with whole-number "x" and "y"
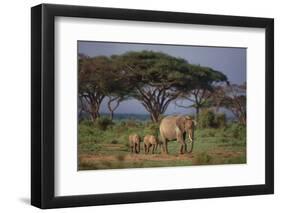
{"x": 120, "y": 127}
{"x": 220, "y": 120}
{"x": 114, "y": 142}
{"x": 103, "y": 123}
{"x": 206, "y": 133}
{"x": 237, "y": 131}
{"x": 86, "y": 123}
{"x": 206, "y": 119}
{"x": 151, "y": 129}
{"x": 122, "y": 123}
{"x": 131, "y": 123}
{"x": 236, "y": 160}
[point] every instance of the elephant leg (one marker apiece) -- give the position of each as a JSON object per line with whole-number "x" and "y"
{"x": 131, "y": 147}
{"x": 138, "y": 145}
{"x": 165, "y": 147}
{"x": 153, "y": 148}
{"x": 164, "y": 144}
{"x": 160, "y": 146}
{"x": 145, "y": 148}
{"x": 182, "y": 143}
{"x": 135, "y": 146}
{"x": 148, "y": 151}
{"x": 183, "y": 148}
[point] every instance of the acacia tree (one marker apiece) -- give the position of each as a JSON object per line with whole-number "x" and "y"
{"x": 205, "y": 81}
{"x": 118, "y": 90}
{"x": 155, "y": 77}
{"x": 112, "y": 104}
{"x": 93, "y": 84}
{"x": 99, "y": 77}
{"x": 235, "y": 100}
{"x": 231, "y": 97}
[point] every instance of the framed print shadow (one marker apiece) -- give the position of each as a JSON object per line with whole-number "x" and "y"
{"x": 133, "y": 106}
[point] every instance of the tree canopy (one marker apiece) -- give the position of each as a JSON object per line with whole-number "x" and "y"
{"x": 155, "y": 79}
{"x": 204, "y": 82}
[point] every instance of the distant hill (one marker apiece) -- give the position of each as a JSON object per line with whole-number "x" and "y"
{"x": 129, "y": 116}
{"x": 140, "y": 117}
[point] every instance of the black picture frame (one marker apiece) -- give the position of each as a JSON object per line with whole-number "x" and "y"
{"x": 43, "y": 102}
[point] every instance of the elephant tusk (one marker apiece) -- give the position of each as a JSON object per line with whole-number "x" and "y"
{"x": 191, "y": 140}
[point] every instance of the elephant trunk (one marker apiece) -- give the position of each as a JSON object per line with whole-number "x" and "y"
{"x": 191, "y": 147}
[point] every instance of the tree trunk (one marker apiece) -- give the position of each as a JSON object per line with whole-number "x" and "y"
{"x": 242, "y": 119}
{"x": 94, "y": 110}
{"x": 112, "y": 108}
{"x": 154, "y": 115}
{"x": 156, "y": 100}
{"x": 94, "y": 115}
{"x": 111, "y": 115}
{"x": 197, "y": 112}
{"x": 91, "y": 104}
{"x": 155, "y": 118}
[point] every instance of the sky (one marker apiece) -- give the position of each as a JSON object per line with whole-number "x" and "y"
{"x": 228, "y": 60}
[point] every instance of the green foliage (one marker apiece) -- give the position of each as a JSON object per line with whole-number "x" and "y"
{"x": 236, "y": 160}
{"x": 207, "y": 132}
{"x": 103, "y": 123}
{"x": 131, "y": 73}
{"x": 131, "y": 123}
{"x": 114, "y": 141}
{"x": 220, "y": 120}
{"x": 238, "y": 131}
{"x": 205, "y": 76}
{"x": 87, "y": 123}
{"x": 206, "y": 119}
{"x": 233, "y": 98}
{"x": 109, "y": 149}
{"x": 151, "y": 129}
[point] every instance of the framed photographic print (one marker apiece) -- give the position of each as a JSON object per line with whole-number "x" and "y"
{"x": 141, "y": 106}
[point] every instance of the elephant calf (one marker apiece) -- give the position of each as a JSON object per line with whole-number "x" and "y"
{"x": 150, "y": 141}
{"x": 134, "y": 143}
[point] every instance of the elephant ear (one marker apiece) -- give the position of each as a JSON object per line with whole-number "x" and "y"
{"x": 194, "y": 122}
{"x": 180, "y": 123}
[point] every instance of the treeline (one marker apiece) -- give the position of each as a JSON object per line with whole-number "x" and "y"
{"x": 156, "y": 80}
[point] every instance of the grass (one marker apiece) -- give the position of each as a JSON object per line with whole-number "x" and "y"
{"x": 107, "y": 148}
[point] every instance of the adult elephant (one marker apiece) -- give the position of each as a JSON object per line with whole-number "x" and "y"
{"x": 176, "y": 128}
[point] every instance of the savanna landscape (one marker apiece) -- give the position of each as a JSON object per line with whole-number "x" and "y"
{"x": 141, "y": 107}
